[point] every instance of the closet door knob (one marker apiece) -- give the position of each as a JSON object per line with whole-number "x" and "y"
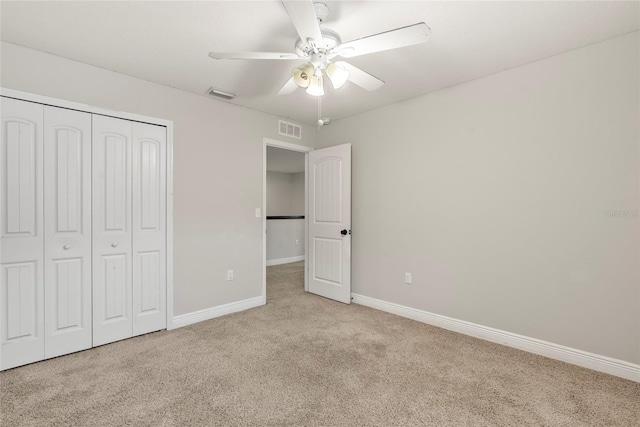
{"x": 66, "y": 247}
{"x": 113, "y": 245}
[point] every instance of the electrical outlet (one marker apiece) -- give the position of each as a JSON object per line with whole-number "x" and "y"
{"x": 258, "y": 213}
{"x": 407, "y": 278}
{"x": 297, "y": 242}
{"x": 229, "y": 274}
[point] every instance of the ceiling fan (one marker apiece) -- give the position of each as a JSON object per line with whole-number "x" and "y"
{"x": 321, "y": 45}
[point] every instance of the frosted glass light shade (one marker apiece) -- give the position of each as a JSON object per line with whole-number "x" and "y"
{"x": 315, "y": 87}
{"x": 302, "y": 76}
{"x": 338, "y": 75}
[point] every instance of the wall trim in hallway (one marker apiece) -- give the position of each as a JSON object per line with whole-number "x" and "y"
{"x": 279, "y": 261}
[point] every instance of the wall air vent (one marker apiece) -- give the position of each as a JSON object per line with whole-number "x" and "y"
{"x": 289, "y": 129}
{"x": 219, "y": 93}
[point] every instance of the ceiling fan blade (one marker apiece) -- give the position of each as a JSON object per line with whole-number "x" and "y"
{"x": 361, "y": 78}
{"x": 400, "y": 37}
{"x": 303, "y": 16}
{"x": 253, "y": 55}
{"x": 289, "y": 87}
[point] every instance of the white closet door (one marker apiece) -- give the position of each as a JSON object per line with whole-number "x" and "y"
{"x": 21, "y": 275}
{"x": 111, "y": 202}
{"x": 67, "y": 226}
{"x": 149, "y": 228}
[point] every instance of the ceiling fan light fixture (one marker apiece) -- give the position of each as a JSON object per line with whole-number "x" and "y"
{"x": 302, "y": 75}
{"x": 315, "y": 87}
{"x": 337, "y": 74}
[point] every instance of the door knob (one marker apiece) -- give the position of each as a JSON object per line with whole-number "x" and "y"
{"x": 344, "y": 232}
{"x": 113, "y": 245}
{"x": 66, "y": 247}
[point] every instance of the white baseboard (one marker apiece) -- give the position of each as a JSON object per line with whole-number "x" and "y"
{"x": 279, "y": 261}
{"x": 585, "y": 359}
{"x": 213, "y": 312}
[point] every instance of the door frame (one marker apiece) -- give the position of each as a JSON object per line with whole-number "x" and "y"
{"x": 268, "y": 142}
{"x": 168, "y": 124}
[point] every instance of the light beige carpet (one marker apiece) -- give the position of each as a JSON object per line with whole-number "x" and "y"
{"x": 303, "y": 360}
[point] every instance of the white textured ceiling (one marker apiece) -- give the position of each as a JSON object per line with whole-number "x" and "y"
{"x": 168, "y": 42}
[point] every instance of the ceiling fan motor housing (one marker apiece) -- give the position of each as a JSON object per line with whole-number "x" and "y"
{"x": 330, "y": 39}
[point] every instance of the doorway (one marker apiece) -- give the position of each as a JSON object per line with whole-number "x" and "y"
{"x": 284, "y": 206}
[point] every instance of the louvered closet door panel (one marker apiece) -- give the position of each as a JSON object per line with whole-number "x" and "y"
{"x": 67, "y": 225}
{"x": 112, "y": 236}
{"x": 21, "y": 266}
{"x": 149, "y": 228}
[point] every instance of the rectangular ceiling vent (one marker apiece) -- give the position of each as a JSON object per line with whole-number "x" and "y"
{"x": 289, "y": 129}
{"x": 219, "y": 93}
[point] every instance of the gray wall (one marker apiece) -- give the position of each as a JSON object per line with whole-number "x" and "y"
{"x": 297, "y": 205}
{"x": 285, "y": 196}
{"x": 285, "y": 239}
{"x": 285, "y": 193}
{"x": 217, "y": 170}
{"x": 513, "y": 200}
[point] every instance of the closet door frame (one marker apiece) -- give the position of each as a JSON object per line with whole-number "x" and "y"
{"x": 40, "y": 99}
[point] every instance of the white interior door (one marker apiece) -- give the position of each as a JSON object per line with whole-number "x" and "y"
{"x": 330, "y": 222}
{"x": 67, "y": 227}
{"x": 112, "y": 237}
{"x": 149, "y": 228}
{"x": 21, "y": 275}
